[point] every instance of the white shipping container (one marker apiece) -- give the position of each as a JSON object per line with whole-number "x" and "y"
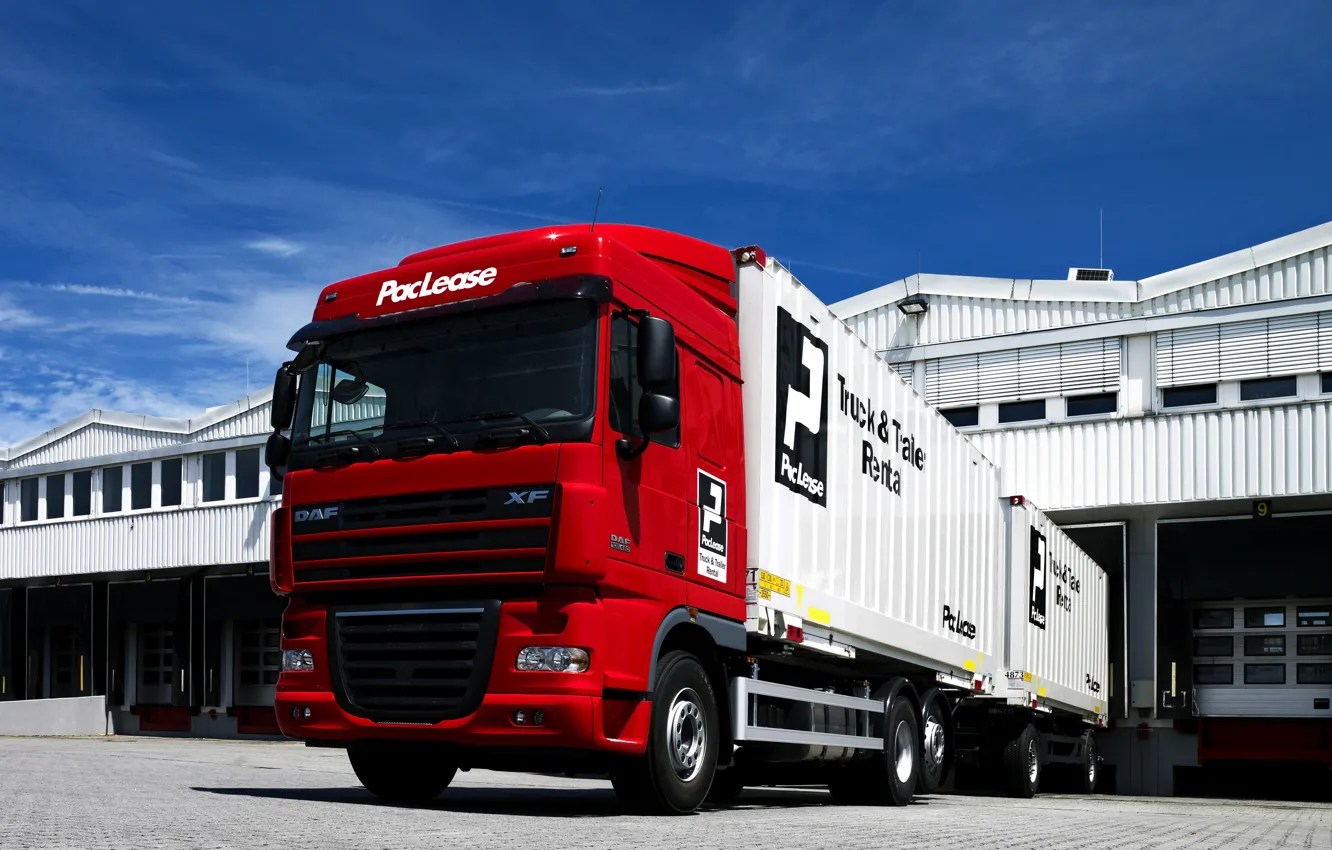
{"x": 873, "y": 524}
{"x": 1058, "y": 641}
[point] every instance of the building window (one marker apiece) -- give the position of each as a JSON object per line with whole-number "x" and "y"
{"x": 1313, "y": 674}
{"x": 215, "y": 477}
{"x": 625, "y": 391}
{"x": 1188, "y": 396}
{"x": 1218, "y": 646}
{"x": 1314, "y": 645}
{"x": 55, "y": 496}
{"x": 1265, "y": 645}
{"x": 247, "y": 473}
{"x": 1093, "y": 405}
{"x": 171, "y": 483}
{"x": 1264, "y": 618}
{"x": 1214, "y": 618}
{"x": 113, "y": 483}
{"x": 82, "y": 492}
{"x": 1022, "y": 411}
{"x": 1327, "y": 382}
{"x": 28, "y": 500}
{"x": 1213, "y": 674}
{"x": 1261, "y": 388}
{"x": 1317, "y": 617}
{"x": 963, "y": 417}
{"x": 141, "y": 486}
{"x": 1264, "y": 674}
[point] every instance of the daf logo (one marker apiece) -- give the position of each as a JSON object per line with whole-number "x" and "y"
{"x": 315, "y": 514}
{"x": 527, "y": 497}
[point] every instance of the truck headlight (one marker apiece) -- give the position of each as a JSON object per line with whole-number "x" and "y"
{"x": 553, "y": 659}
{"x": 297, "y": 661}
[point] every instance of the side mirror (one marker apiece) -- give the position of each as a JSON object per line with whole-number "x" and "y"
{"x": 284, "y": 398}
{"x": 656, "y": 353}
{"x": 276, "y": 452}
{"x": 658, "y": 413}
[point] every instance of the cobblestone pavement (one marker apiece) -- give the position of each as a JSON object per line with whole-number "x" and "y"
{"x": 159, "y": 793}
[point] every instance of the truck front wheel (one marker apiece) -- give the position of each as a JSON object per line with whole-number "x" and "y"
{"x": 400, "y": 775}
{"x": 675, "y": 774}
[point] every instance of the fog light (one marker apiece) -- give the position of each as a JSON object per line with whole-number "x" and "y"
{"x": 305, "y": 712}
{"x": 553, "y": 659}
{"x": 297, "y": 661}
{"x": 538, "y": 718}
{"x": 295, "y": 713}
{"x": 520, "y": 717}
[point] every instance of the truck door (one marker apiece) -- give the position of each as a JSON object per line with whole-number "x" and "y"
{"x": 712, "y": 442}
{"x": 649, "y": 519}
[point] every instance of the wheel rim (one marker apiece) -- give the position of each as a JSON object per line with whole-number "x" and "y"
{"x": 1033, "y": 762}
{"x": 686, "y": 735}
{"x": 904, "y": 752}
{"x": 935, "y": 743}
{"x": 1091, "y": 763}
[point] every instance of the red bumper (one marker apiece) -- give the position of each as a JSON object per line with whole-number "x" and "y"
{"x": 569, "y": 722}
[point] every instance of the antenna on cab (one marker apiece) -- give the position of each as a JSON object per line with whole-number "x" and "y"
{"x": 596, "y": 210}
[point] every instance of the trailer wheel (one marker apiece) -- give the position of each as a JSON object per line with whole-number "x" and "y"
{"x": 400, "y": 776}
{"x": 888, "y": 779}
{"x": 1022, "y": 763}
{"x": 677, "y": 771}
{"x": 936, "y": 746}
{"x": 1089, "y": 771}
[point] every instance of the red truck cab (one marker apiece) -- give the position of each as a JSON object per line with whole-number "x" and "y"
{"x": 487, "y": 563}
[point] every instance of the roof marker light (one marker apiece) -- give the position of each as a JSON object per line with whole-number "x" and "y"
{"x": 568, "y": 250}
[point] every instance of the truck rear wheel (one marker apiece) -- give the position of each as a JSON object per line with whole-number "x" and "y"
{"x": 936, "y": 748}
{"x": 1022, "y": 763}
{"x": 400, "y": 775}
{"x": 676, "y": 773}
{"x": 889, "y": 778}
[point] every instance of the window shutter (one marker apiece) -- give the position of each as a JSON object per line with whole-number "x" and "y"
{"x": 1089, "y": 367}
{"x": 1324, "y": 341}
{"x": 905, "y": 371}
{"x": 1038, "y": 372}
{"x": 1188, "y": 356}
{"x": 951, "y": 381}
{"x": 1292, "y": 345}
{"x": 1024, "y": 373}
{"x": 1243, "y": 348}
{"x": 997, "y": 375}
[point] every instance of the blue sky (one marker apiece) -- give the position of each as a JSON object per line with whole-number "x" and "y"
{"x": 176, "y": 185}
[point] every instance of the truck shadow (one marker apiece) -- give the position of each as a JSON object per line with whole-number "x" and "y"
{"x": 528, "y": 802}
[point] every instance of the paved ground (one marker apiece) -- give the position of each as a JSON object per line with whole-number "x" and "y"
{"x": 151, "y": 793}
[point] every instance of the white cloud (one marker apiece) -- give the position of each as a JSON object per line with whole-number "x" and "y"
{"x": 27, "y": 412}
{"x": 276, "y": 245}
{"x": 12, "y": 316}
{"x": 121, "y": 292}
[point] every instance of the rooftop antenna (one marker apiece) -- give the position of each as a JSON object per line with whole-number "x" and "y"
{"x": 1102, "y": 233}
{"x": 247, "y": 376}
{"x": 596, "y": 210}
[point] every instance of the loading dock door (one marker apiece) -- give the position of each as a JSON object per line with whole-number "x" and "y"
{"x": 1243, "y": 616}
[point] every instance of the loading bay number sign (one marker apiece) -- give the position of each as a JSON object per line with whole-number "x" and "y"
{"x": 1262, "y": 509}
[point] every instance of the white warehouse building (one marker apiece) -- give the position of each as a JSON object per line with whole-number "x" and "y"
{"x": 1179, "y": 428}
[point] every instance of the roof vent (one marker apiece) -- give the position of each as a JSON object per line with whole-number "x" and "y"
{"x": 1090, "y": 274}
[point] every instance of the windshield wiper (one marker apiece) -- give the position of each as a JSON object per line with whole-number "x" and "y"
{"x": 336, "y": 452}
{"x": 539, "y": 434}
{"x": 449, "y": 440}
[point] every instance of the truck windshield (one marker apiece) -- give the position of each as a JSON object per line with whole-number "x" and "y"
{"x": 468, "y": 374}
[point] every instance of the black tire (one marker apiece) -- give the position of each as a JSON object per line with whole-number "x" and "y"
{"x": 400, "y": 775}
{"x": 936, "y": 746}
{"x": 1084, "y": 781}
{"x": 889, "y": 778}
{"x": 676, "y": 773}
{"x": 1022, "y": 763}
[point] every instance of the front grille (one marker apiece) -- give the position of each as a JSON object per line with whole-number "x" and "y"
{"x": 450, "y": 533}
{"x": 420, "y": 544}
{"x": 417, "y": 664}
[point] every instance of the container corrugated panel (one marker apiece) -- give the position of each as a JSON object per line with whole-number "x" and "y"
{"x": 1254, "y": 452}
{"x": 1058, "y": 640}
{"x": 97, "y": 440}
{"x": 188, "y": 537}
{"x": 887, "y": 535}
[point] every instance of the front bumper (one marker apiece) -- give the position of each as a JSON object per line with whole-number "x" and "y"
{"x": 600, "y": 710}
{"x": 574, "y": 722}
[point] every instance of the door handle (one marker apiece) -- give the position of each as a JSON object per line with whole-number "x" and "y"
{"x": 675, "y": 563}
